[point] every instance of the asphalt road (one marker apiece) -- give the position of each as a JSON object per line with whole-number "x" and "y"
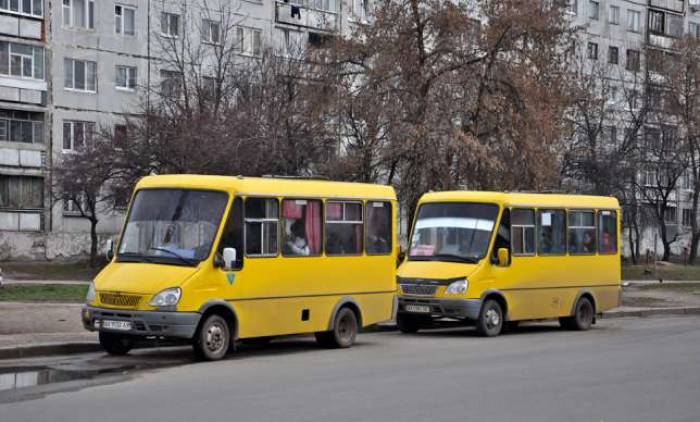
{"x": 633, "y": 369}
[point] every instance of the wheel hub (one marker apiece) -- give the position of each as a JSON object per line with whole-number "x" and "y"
{"x": 492, "y": 318}
{"x": 215, "y": 339}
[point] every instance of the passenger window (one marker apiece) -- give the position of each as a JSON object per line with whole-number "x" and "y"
{"x": 232, "y": 237}
{"x": 523, "y": 231}
{"x": 607, "y": 232}
{"x": 343, "y": 228}
{"x": 378, "y": 228}
{"x": 551, "y": 232}
{"x": 261, "y": 220}
{"x": 582, "y": 232}
{"x": 301, "y": 223}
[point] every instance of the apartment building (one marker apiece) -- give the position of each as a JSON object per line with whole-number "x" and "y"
{"x": 70, "y": 69}
{"x": 631, "y": 36}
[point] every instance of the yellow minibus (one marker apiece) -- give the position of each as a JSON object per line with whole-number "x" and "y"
{"x": 214, "y": 259}
{"x": 495, "y": 259}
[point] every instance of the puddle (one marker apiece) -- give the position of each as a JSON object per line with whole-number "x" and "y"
{"x": 32, "y": 378}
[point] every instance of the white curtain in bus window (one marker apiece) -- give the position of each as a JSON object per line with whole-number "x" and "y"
{"x": 551, "y": 232}
{"x": 261, "y": 218}
{"x": 301, "y": 226}
{"x": 607, "y": 232}
{"x": 378, "y": 228}
{"x": 582, "y": 232}
{"x": 343, "y": 228}
{"x": 523, "y": 229}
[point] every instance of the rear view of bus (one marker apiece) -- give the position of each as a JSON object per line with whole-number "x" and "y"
{"x": 495, "y": 259}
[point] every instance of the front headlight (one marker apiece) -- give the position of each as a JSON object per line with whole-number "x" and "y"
{"x": 90, "y": 293}
{"x": 166, "y": 298}
{"x": 458, "y": 287}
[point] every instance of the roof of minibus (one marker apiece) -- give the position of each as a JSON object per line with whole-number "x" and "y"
{"x": 270, "y": 186}
{"x": 525, "y": 199}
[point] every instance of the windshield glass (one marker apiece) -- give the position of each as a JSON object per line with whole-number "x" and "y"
{"x": 457, "y": 232}
{"x": 174, "y": 226}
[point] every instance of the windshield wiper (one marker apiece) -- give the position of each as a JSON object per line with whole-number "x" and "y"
{"x": 133, "y": 257}
{"x": 454, "y": 258}
{"x": 173, "y": 253}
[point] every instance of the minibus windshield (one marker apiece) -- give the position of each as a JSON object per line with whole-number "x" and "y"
{"x": 172, "y": 226}
{"x": 453, "y": 232}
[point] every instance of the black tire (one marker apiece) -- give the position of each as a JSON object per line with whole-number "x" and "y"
{"x": 407, "y": 324}
{"x": 583, "y": 315}
{"x": 344, "y": 331}
{"x": 115, "y": 344}
{"x": 212, "y": 339}
{"x": 490, "y": 322}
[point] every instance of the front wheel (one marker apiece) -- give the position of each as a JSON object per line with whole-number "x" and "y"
{"x": 212, "y": 339}
{"x": 490, "y": 320}
{"x": 344, "y": 331}
{"x": 115, "y": 344}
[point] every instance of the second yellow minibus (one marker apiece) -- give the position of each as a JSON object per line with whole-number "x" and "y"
{"x": 211, "y": 260}
{"x": 495, "y": 259}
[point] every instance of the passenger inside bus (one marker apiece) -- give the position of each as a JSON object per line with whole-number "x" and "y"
{"x": 296, "y": 241}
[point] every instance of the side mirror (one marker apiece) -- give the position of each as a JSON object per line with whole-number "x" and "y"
{"x": 109, "y": 251}
{"x": 229, "y": 258}
{"x": 503, "y": 257}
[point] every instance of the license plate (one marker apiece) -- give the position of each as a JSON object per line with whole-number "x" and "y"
{"x": 418, "y": 308}
{"x": 116, "y": 325}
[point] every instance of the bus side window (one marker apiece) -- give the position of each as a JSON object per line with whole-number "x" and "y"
{"x": 551, "y": 232}
{"x": 261, "y": 219}
{"x": 607, "y": 232}
{"x": 232, "y": 237}
{"x": 344, "y": 228}
{"x": 378, "y": 228}
{"x": 523, "y": 231}
{"x": 582, "y": 238}
{"x": 301, "y": 227}
{"x": 502, "y": 235}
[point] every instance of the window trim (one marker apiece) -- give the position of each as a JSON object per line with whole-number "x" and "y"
{"x": 322, "y": 250}
{"x": 352, "y": 222}
{"x": 116, "y": 74}
{"x": 123, "y": 20}
{"x": 73, "y": 89}
{"x": 168, "y": 34}
{"x": 523, "y": 226}
{"x": 89, "y": 20}
{"x": 72, "y": 134}
{"x": 566, "y": 231}
{"x": 599, "y": 214}
{"x": 391, "y": 228}
{"x": 246, "y": 220}
{"x": 594, "y": 227}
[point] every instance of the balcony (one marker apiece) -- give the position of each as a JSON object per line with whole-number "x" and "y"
{"x": 677, "y": 6}
{"x": 297, "y": 15}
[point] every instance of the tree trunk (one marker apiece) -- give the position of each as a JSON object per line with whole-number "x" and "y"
{"x": 93, "y": 243}
{"x": 667, "y": 249}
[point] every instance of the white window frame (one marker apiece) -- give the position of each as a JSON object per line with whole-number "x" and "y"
{"x": 67, "y": 12}
{"x": 6, "y": 123}
{"x": 614, "y": 16}
{"x": 88, "y": 65}
{"x": 128, "y": 77}
{"x": 634, "y": 20}
{"x": 170, "y": 16}
{"x": 591, "y": 5}
{"x": 211, "y": 27}
{"x": 120, "y": 20}
{"x": 246, "y": 46}
{"x": 525, "y": 228}
{"x": 22, "y": 57}
{"x": 8, "y": 8}
{"x": 88, "y": 132}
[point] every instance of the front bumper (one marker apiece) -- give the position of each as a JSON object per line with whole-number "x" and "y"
{"x": 443, "y": 308}
{"x": 144, "y": 323}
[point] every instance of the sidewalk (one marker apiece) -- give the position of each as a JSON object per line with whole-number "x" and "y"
{"x": 8, "y": 282}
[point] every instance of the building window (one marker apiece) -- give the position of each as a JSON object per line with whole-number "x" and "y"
{"x": 593, "y": 51}
{"x": 613, "y": 55}
{"x": 324, "y": 5}
{"x": 25, "y": 7}
{"x": 77, "y": 134}
{"x": 248, "y": 40}
{"x": 686, "y": 181}
{"x": 290, "y": 43}
{"x": 656, "y": 22}
{"x": 687, "y": 217}
{"x": 126, "y": 77}
{"x": 80, "y": 75}
{"x": 21, "y": 60}
{"x": 79, "y": 14}
{"x": 124, "y": 20}
{"x": 22, "y": 126}
{"x": 170, "y": 83}
{"x": 170, "y": 24}
{"x": 359, "y": 9}
{"x": 211, "y": 31}
{"x": 632, "y": 63}
{"x": 593, "y": 10}
{"x": 21, "y": 192}
{"x": 120, "y": 136}
{"x": 614, "y": 15}
{"x": 670, "y": 216}
{"x": 634, "y": 21}
{"x": 572, "y": 6}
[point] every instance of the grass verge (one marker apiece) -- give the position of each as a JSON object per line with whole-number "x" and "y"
{"x": 43, "y": 293}
{"x": 43, "y": 270}
{"x": 670, "y": 272}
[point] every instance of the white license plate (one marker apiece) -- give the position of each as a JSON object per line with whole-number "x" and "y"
{"x": 418, "y": 308}
{"x": 116, "y": 325}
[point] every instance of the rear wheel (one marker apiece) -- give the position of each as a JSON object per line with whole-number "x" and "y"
{"x": 212, "y": 339}
{"x": 490, "y": 322}
{"x": 115, "y": 344}
{"x": 407, "y": 324}
{"x": 582, "y": 318}
{"x": 344, "y": 331}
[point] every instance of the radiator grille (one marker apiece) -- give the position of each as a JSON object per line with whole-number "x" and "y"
{"x": 121, "y": 300}
{"x": 418, "y": 290}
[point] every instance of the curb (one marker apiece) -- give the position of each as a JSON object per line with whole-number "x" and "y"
{"x": 47, "y": 350}
{"x": 695, "y": 310}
